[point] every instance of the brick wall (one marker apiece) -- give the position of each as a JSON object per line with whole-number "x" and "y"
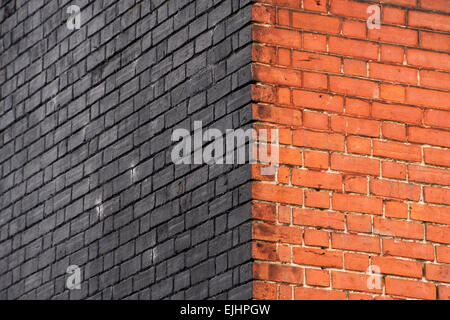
{"x": 86, "y": 176}
{"x": 364, "y": 119}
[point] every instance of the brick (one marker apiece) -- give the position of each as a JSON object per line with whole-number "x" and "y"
{"x": 279, "y": 273}
{"x": 314, "y": 159}
{"x": 306, "y": 21}
{"x": 392, "y": 73}
{"x": 301, "y": 293}
{"x": 355, "y": 126}
{"x": 355, "y": 242}
{"x": 429, "y": 136}
{"x": 351, "y": 281}
{"x": 439, "y": 273}
{"x": 317, "y": 257}
{"x": 395, "y": 35}
{"x": 435, "y": 41}
{"x": 427, "y": 20}
{"x": 356, "y": 203}
{"x": 356, "y": 261}
{"x": 319, "y": 101}
{"x": 415, "y": 250}
{"x": 393, "y": 170}
{"x": 396, "y": 228}
{"x": 279, "y": 76}
{"x": 316, "y": 179}
{"x": 353, "y": 48}
{"x": 278, "y": 37}
{"x": 268, "y": 232}
{"x": 394, "y": 131}
{"x": 318, "y": 140}
{"x": 437, "y": 118}
{"x": 277, "y": 193}
{"x": 354, "y": 87}
{"x": 428, "y": 175}
{"x": 410, "y": 288}
{"x": 355, "y": 164}
{"x": 438, "y": 234}
{"x": 316, "y": 218}
{"x": 429, "y": 59}
{"x": 314, "y": 61}
{"x": 436, "y": 195}
{"x": 317, "y": 277}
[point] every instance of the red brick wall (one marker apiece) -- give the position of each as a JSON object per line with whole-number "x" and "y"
{"x": 364, "y": 127}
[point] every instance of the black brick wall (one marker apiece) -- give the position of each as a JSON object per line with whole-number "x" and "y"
{"x": 86, "y": 118}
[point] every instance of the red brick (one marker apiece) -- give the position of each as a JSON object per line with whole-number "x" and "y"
{"x": 430, "y": 213}
{"x": 355, "y": 184}
{"x": 357, "y": 107}
{"x": 440, "y": 157}
{"x": 315, "y": 179}
{"x": 275, "y": 233}
{"x": 317, "y": 277}
{"x": 317, "y": 238}
{"x": 315, "y": 120}
{"x": 392, "y": 53}
{"x": 406, "y": 249}
{"x": 393, "y": 15}
{"x": 428, "y": 98}
{"x": 264, "y": 14}
{"x": 393, "y": 170}
{"x": 393, "y": 73}
{"x": 301, "y": 293}
{"x": 432, "y": 60}
{"x": 316, "y": 159}
{"x": 315, "y": 22}
{"x": 264, "y": 251}
{"x": 394, "y": 189}
{"x": 354, "y": 87}
{"x": 264, "y": 211}
{"x": 395, "y": 35}
{"x": 319, "y": 140}
{"x": 359, "y": 145}
{"x": 318, "y": 218}
{"x": 444, "y": 292}
{"x": 397, "y": 150}
{"x": 359, "y": 223}
{"x": 315, "y": 5}
{"x": 356, "y": 261}
{"x": 435, "y": 41}
{"x": 437, "y": 118}
{"x": 276, "y": 36}
{"x": 439, "y": 273}
{"x": 279, "y": 76}
{"x": 317, "y": 257}
{"x": 357, "y": 126}
{"x": 352, "y": 281}
{"x": 317, "y": 199}
{"x": 355, "y": 67}
{"x": 429, "y": 136}
{"x": 410, "y": 288}
{"x": 270, "y": 113}
{"x": 315, "y": 61}
{"x": 355, "y": 242}
{"x": 351, "y": 28}
{"x": 320, "y": 101}
{"x": 438, "y": 234}
{"x": 284, "y": 17}
{"x": 436, "y": 195}
{"x": 443, "y": 254}
{"x": 398, "y": 228}
{"x": 439, "y": 5}
{"x": 314, "y": 80}
{"x": 353, "y": 48}
{"x": 396, "y": 209}
{"x": 341, "y": 8}
{"x": 393, "y": 93}
{"x": 427, "y": 20}
{"x": 284, "y": 57}
{"x": 264, "y": 54}
{"x": 394, "y": 131}
{"x": 278, "y": 272}
{"x": 396, "y": 113}
{"x": 429, "y": 175}
{"x": 399, "y": 267}
{"x": 355, "y": 164}
{"x": 314, "y": 42}
{"x": 282, "y": 194}
{"x": 264, "y": 290}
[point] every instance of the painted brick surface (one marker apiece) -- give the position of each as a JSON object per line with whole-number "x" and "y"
{"x": 363, "y": 182}
{"x": 86, "y": 176}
